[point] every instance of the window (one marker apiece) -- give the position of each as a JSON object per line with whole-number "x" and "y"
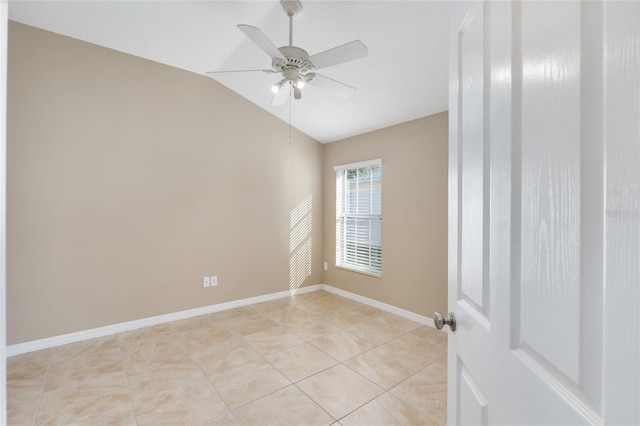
{"x": 359, "y": 217}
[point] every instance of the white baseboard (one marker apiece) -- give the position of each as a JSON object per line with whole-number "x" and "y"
{"x": 50, "y": 342}
{"x": 381, "y": 305}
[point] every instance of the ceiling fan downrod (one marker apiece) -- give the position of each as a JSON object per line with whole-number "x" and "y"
{"x": 291, "y": 8}
{"x": 295, "y": 61}
{"x": 290, "y": 30}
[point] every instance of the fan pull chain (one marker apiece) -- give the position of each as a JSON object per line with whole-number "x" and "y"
{"x": 290, "y": 90}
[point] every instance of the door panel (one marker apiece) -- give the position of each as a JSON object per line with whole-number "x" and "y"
{"x": 559, "y": 286}
{"x": 544, "y": 186}
{"x": 473, "y": 400}
{"x": 549, "y": 94}
{"x": 474, "y": 288}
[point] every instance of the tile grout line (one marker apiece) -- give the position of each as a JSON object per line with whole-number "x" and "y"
{"x": 313, "y": 400}
{"x": 270, "y": 393}
{"x": 339, "y": 363}
{"x": 385, "y": 391}
{"x": 211, "y": 383}
{"x": 126, "y": 374}
{"x": 44, "y": 382}
{"x": 212, "y": 387}
{"x": 411, "y": 376}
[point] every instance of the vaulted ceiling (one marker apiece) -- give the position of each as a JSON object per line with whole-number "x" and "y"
{"x": 404, "y": 77}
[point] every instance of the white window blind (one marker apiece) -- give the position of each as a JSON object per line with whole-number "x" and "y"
{"x": 359, "y": 216}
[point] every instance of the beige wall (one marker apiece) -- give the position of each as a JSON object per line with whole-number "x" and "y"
{"x": 128, "y": 181}
{"x": 414, "y": 210}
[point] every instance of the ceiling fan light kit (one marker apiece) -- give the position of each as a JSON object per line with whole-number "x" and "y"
{"x": 295, "y": 65}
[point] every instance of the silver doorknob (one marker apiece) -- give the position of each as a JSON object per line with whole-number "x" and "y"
{"x": 440, "y": 321}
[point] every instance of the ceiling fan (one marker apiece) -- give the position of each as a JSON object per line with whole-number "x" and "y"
{"x": 295, "y": 65}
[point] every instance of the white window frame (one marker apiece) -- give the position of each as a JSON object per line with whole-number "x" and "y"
{"x": 369, "y": 260}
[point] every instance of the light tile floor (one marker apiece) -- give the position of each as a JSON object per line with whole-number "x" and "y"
{"x": 312, "y": 359}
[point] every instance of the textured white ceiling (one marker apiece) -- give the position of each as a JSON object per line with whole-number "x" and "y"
{"x": 404, "y": 77}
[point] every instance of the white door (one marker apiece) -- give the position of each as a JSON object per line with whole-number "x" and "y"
{"x": 544, "y": 214}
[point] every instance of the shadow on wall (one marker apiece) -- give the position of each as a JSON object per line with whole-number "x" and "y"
{"x": 300, "y": 223}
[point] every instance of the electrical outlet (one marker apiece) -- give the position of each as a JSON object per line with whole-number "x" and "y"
{"x": 214, "y": 281}
{"x": 206, "y": 282}
{"x": 326, "y": 266}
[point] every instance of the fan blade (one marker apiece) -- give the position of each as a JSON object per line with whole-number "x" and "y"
{"x": 334, "y": 86}
{"x": 220, "y": 72}
{"x": 261, "y": 40}
{"x": 281, "y": 97}
{"x": 338, "y": 55}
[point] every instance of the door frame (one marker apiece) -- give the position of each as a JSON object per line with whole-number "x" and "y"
{"x": 4, "y": 23}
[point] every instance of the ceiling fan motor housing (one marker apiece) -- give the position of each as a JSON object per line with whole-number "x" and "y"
{"x": 296, "y": 59}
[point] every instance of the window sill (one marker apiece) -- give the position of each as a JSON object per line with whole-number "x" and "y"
{"x": 359, "y": 271}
